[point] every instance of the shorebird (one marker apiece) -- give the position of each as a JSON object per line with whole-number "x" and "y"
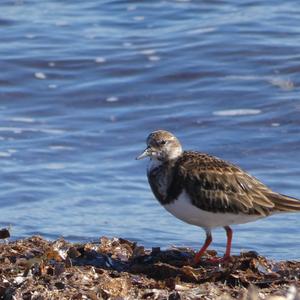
{"x": 206, "y": 191}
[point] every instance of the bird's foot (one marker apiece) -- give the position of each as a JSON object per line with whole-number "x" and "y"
{"x": 212, "y": 260}
{"x": 218, "y": 260}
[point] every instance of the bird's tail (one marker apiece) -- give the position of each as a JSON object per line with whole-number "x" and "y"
{"x": 285, "y": 203}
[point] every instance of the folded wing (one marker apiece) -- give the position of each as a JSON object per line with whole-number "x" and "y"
{"x": 217, "y": 186}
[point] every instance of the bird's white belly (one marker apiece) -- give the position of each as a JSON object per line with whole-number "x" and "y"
{"x": 183, "y": 209}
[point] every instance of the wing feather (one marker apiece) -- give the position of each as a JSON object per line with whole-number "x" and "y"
{"x": 217, "y": 186}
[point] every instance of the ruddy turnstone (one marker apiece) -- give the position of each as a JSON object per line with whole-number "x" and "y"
{"x": 206, "y": 191}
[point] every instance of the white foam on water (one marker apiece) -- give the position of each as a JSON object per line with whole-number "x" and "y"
{"x": 20, "y": 130}
{"x": 154, "y": 58}
{"x": 237, "y": 112}
{"x": 127, "y": 44}
{"x": 17, "y": 131}
{"x": 40, "y": 75}
{"x": 100, "y": 60}
{"x": 139, "y": 18}
{"x": 282, "y": 83}
{"x": 30, "y": 36}
{"x": 59, "y": 147}
{"x": 52, "y": 131}
{"x": 22, "y": 119}
{"x": 12, "y": 151}
{"x": 52, "y": 86}
{"x": 201, "y": 30}
{"x": 148, "y": 52}
{"x": 5, "y": 154}
{"x": 243, "y": 77}
{"x": 55, "y": 166}
{"x": 275, "y": 124}
{"x": 112, "y": 99}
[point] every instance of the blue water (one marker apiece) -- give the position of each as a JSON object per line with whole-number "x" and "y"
{"x": 82, "y": 83}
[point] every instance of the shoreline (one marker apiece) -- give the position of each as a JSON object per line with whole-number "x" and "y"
{"x": 35, "y": 268}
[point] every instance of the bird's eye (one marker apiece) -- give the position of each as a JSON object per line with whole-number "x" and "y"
{"x": 163, "y": 142}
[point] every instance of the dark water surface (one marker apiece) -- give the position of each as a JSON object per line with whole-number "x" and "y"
{"x": 82, "y": 83}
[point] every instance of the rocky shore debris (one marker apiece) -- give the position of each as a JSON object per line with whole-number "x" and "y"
{"x": 35, "y": 268}
{"x": 4, "y": 234}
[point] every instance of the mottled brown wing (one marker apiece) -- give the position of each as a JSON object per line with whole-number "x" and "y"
{"x": 217, "y": 186}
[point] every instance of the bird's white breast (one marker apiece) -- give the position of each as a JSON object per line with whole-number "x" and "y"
{"x": 183, "y": 209}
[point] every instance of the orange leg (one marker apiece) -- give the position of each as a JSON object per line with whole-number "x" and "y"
{"x": 229, "y": 239}
{"x": 207, "y": 243}
{"x": 204, "y": 247}
{"x": 228, "y": 247}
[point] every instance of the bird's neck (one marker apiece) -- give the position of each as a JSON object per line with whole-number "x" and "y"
{"x": 172, "y": 158}
{"x": 175, "y": 153}
{"x": 153, "y": 164}
{"x": 156, "y": 163}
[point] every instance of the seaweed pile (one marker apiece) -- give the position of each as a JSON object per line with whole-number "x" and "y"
{"x": 35, "y": 268}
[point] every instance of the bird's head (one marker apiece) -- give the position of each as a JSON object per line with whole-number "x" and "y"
{"x": 162, "y": 146}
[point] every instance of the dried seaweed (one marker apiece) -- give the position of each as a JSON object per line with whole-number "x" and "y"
{"x": 35, "y": 268}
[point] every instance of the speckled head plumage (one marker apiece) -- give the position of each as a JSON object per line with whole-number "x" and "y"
{"x": 162, "y": 146}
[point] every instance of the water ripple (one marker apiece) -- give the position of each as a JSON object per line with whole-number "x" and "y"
{"x": 85, "y": 82}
